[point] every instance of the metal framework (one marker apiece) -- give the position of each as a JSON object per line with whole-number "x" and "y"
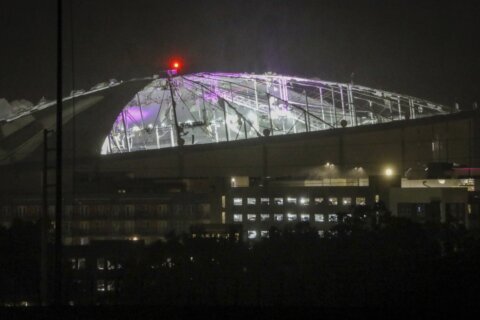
{"x": 217, "y": 107}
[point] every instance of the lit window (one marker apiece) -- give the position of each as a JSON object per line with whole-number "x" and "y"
{"x": 251, "y": 234}
{"x": 251, "y": 201}
{"x": 278, "y": 217}
{"x": 237, "y": 218}
{"x": 318, "y": 200}
{"x": 347, "y": 201}
{"x": 332, "y": 218}
{"x": 304, "y": 217}
{"x": 291, "y": 217}
{"x": 251, "y": 217}
{"x": 237, "y": 201}
{"x": 321, "y": 233}
{"x": 264, "y": 234}
{"x": 333, "y": 201}
{"x": 304, "y": 201}
{"x": 278, "y": 201}
{"x": 74, "y": 263}
{"x": 360, "y": 201}
{"x": 101, "y": 285}
{"x": 319, "y": 218}
{"x": 265, "y": 201}
{"x": 110, "y": 285}
{"x": 291, "y": 200}
{"x": 100, "y": 263}
{"x": 264, "y": 217}
{"x": 110, "y": 265}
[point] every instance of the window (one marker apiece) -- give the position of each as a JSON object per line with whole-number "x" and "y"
{"x": 237, "y": 218}
{"x": 251, "y": 201}
{"x": 129, "y": 210}
{"x": 347, "y": 201}
{"x": 251, "y": 217}
{"x": 304, "y": 201}
{"x": 110, "y": 265}
{"x": 101, "y": 264}
{"x": 360, "y": 201}
{"x": 237, "y": 201}
{"x": 110, "y": 285}
{"x": 278, "y": 217}
{"x": 251, "y": 234}
{"x": 265, "y": 201}
{"x": 332, "y": 218}
{"x": 278, "y": 201}
{"x": 81, "y": 263}
{"x": 318, "y": 200}
{"x": 319, "y": 218}
{"x": 264, "y": 217}
{"x": 333, "y": 201}
{"x": 101, "y": 285}
{"x": 304, "y": 217}
{"x": 291, "y": 200}
{"x": 264, "y": 234}
{"x": 291, "y": 217}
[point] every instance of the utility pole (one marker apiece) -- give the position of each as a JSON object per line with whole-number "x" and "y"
{"x": 59, "y": 164}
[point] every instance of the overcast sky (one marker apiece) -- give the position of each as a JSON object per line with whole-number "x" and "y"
{"x": 428, "y": 49}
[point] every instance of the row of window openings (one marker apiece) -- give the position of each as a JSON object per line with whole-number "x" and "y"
{"x": 102, "y": 264}
{"x": 254, "y": 234}
{"x": 346, "y": 201}
{"x": 291, "y": 217}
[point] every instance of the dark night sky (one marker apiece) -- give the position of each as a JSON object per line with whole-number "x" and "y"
{"x": 428, "y": 49}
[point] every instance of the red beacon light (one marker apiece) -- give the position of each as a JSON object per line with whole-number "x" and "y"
{"x": 174, "y": 66}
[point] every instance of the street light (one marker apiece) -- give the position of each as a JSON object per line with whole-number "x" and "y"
{"x": 388, "y": 172}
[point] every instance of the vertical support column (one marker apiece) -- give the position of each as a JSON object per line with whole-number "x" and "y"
{"x": 224, "y": 105}
{"x": 322, "y": 107}
{"x": 245, "y": 129}
{"x": 125, "y": 131}
{"x": 109, "y": 137}
{"x": 412, "y": 110}
{"x": 157, "y": 136}
{"x": 270, "y": 114}
{"x": 351, "y": 106}
{"x": 342, "y": 101}
{"x": 215, "y": 125}
{"x": 143, "y": 123}
{"x": 334, "y": 109}
{"x": 174, "y": 109}
{"x": 307, "y": 113}
{"x": 256, "y": 93}
{"x": 204, "y": 111}
{"x": 399, "y": 109}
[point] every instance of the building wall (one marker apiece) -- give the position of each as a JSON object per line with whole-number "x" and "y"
{"x": 449, "y": 203}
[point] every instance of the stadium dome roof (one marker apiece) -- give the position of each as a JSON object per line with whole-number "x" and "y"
{"x": 214, "y": 107}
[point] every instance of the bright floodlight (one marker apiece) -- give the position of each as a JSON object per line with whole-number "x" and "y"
{"x": 388, "y": 172}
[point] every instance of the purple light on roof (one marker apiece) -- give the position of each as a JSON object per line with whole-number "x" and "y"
{"x": 133, "y": 116}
